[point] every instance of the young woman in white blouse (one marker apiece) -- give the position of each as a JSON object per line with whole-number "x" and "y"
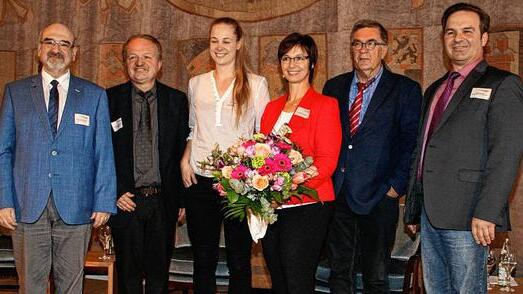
{"x": 225, "y": 104}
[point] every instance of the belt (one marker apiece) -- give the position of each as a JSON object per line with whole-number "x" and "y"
{"x": 148, "y": 191}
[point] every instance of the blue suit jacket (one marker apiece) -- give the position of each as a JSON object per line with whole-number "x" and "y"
{"x": 379, "y": 154}
{"x": 77, "y": 165}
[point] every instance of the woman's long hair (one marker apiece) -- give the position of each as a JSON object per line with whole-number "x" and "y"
{"x": 241, "y": 92}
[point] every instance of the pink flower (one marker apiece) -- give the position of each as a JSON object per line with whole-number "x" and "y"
{"x": 248, "y": 143}
{"x": 238, "y": 172}
{"x": 282, "y": 162}
{"x": 218, "y": 187}
{"x": 268, "y": 168}
{"x": 278, "y": 184}
{"x": 283, "y": 145}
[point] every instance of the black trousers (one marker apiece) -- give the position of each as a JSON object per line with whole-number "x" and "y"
{"x": 292, "y": 247}
{"x": 204, "y": 212}
{"x": 144, "y": 248}
{"x": 367, "y": 239}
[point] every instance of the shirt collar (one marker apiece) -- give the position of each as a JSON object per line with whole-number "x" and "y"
{"x": 138, "y": 98}
{"x": 63, "y": 80}
{"x": 376, "y": 77}
{"x": 466, "y": 70}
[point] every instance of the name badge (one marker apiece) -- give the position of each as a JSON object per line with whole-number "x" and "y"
{"x": 302, "y": 112}
{"x": 481, "y": 93}
{"x": 81, "y": 119}
{"x": 117, "y": 124}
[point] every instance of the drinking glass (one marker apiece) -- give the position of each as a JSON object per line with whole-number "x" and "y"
{"x": 509, "y": 264}
{"x": 491, "y": 262}
{"x": 105, "y": 239}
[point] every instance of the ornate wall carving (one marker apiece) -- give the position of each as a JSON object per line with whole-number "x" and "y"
{"x": 249, "y": 10}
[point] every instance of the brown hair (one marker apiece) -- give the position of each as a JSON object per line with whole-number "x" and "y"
{"x": 306, "y": 42}
{"x": 484, "y": 18}
{"x": 144, "y": 37}
{"x": 241, "y": 92}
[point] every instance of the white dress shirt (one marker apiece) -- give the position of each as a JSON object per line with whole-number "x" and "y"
{"x": 212, "y": 119}
{"x": 63, "y": 88}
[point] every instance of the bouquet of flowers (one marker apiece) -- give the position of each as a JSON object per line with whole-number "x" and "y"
{"x": 256, "y": 175}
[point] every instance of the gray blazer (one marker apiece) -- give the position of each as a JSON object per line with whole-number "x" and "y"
{"x": 472, "y": 159}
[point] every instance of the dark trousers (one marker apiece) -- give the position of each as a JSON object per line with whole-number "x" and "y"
{"x": 204, "y": 218}
{"x": 144, "y": 248}
{"x": 292, "y": 247}
{"x": 367, "y": 239}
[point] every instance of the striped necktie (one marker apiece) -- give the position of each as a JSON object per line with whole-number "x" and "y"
{"x": 355, "y": 109}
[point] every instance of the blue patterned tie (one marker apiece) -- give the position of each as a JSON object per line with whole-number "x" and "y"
{"x": 52, "y": 109}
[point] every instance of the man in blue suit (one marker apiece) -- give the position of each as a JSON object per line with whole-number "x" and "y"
{"x": 57, "y": 172}
{"x": 379, "y": 113}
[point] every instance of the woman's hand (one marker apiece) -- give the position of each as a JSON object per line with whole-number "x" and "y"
{"x": 311, "y": 172}
{"x": 188, "y": 176}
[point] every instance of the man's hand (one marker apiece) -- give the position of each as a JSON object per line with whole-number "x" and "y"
{"x": 8, "y": 218}
{"x": 392, "y": 193}
{"x": 99, "y": 218}
{"x": 181, "y": 216}
{"x": 412, "y": 228}
{"x": 483, "y": 231}
{"x": 126, "y": 203}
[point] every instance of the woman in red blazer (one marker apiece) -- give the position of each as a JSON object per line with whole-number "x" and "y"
{"x": 292, "y": 244}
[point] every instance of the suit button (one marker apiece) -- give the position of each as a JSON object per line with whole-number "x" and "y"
{"x": 350, "y": 146}
{"x": 342, "y": 169}
{"x": 50, "y": 175}
{"x": 54, "y": 153}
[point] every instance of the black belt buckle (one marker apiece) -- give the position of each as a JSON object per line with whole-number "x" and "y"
{"x": 148, "y": 191}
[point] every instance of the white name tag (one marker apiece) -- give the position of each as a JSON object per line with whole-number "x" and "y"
{"x": 117, "y": 124}
{"x": 302, "y": 112}
{"x": 81, "y": 119}
{"x": 481, "y": 93}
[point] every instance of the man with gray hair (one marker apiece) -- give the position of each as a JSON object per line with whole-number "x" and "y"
{"x": 380, "y": 113}
{"x": 57, "y": 171}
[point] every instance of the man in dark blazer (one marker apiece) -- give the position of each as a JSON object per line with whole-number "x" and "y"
{"x": 150, "y": 124}
{"x": 380, "y": 114}
{"x": 469, "y": 149}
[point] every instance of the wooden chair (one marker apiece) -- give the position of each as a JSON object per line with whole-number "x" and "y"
{"x": 8, "y": 276}
{"x": 413, "y": 280}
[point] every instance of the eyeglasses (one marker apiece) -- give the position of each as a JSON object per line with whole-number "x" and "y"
{"x": 369, "y": 45}
{"x": 61, "y": 43}
{"x": 296, "y": 59}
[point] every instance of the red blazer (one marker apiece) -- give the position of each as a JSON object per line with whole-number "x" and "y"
{"x": 318, "y": 135}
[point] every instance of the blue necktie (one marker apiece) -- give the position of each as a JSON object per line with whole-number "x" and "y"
{"x": 52, "y": 109}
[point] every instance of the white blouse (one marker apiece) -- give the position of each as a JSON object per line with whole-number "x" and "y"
{"x": 212, "y": 119}
{"x": 284, "y": 118}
